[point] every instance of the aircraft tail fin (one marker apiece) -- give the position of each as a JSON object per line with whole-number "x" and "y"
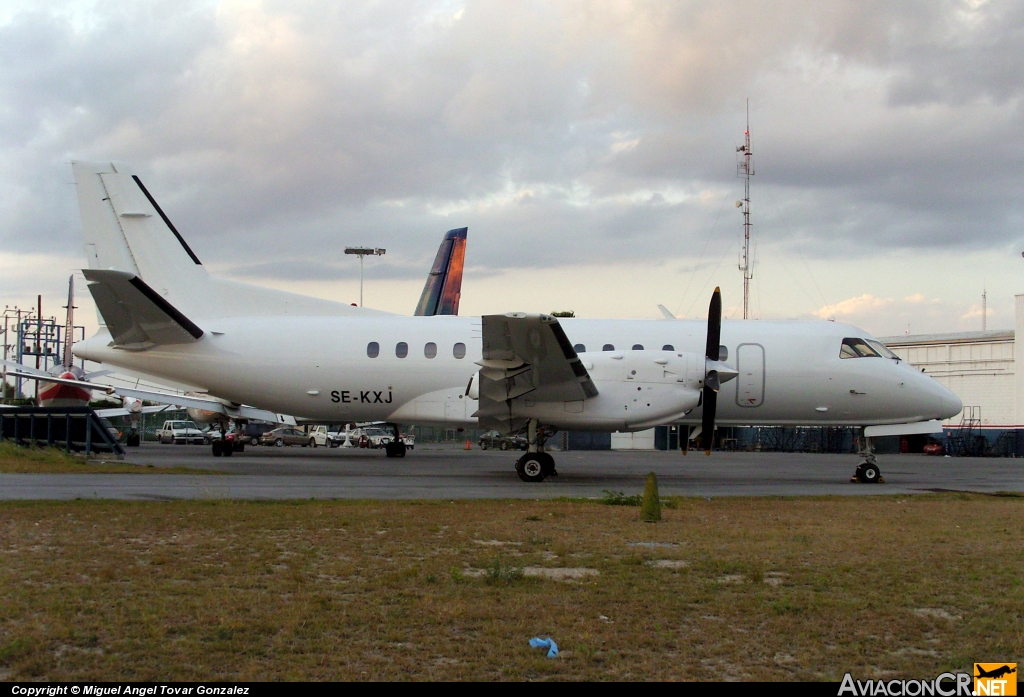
{"x": 127, "y": 230}
{"x": 137, "y": 316}
{"x": 443, "y": 289}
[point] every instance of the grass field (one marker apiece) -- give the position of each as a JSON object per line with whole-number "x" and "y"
{"x": 16, "y": 459}
{"x": 803, "y": 589}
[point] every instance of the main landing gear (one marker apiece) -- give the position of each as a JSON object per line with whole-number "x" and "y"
{"x": 396, "y": 448}
{"x": 536, "y": 464}
{"x": 867, "y": 472}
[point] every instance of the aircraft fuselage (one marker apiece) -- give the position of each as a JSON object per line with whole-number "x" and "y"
{"x": 320, "y": 368}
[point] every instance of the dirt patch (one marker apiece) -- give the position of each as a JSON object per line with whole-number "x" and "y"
{"x": 669, "y": 564}
{"x": 562, "y": 573}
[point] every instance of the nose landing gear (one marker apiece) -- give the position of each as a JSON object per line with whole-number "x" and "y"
{"x": 867, "y": 472}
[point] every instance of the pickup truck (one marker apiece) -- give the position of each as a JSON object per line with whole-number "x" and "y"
{"x": 319, "y": 435}
{"x": 179, "y": 432}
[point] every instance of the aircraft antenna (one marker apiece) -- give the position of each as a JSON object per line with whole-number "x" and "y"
{"x": 745, "y": 169}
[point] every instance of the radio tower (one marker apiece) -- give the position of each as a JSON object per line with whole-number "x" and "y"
{"x": 745, "y": 169}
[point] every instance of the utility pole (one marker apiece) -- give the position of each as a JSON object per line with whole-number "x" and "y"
{"x": 362, "y": 252}
{"x": 745, "y": 169}
{"x": 39, "y": 331}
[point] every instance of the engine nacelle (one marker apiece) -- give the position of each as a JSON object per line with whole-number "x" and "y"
{"x": 636, "y": 390}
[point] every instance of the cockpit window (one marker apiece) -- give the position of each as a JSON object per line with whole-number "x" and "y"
{"x": 857, "y": 348}
{"x": 882, "y": 350}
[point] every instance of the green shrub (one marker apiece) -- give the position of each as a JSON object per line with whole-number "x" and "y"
{"x": 650, "y": 508}
{"x": 617, "y": 498}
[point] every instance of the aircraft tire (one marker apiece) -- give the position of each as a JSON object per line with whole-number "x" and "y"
{"x": 870, "y": 474}
{"x": 394, "y": 449}
{"x": 530, "y": 467}
{"x": 548, "y": 463}
{"x": 227, "y": 450}
{"x": 217, "y": 449}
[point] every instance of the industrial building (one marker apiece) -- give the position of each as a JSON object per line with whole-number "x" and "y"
{"x": 980, "y": 367}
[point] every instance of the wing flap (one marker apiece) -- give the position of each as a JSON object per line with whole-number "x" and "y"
{"x": 530, "y": 357}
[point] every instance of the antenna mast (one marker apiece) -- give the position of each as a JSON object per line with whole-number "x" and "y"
{"x": 745, "y": 169}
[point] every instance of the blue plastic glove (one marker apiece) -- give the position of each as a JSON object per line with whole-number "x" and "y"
{"x": 548, "y": 643}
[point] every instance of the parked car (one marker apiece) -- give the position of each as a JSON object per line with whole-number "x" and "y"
{"x": 251, "y": 432}
{"x": 214, "y": 434}
{"x": 179, "y": 432}
{"x": 375, "y": 437}
{"x": 493, "y": 439}
{"x": 286, "y": 435}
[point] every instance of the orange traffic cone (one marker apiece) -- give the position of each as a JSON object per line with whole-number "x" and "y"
{"x": 468, "y": 446}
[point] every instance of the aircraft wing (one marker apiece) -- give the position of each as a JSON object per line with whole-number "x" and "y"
{"x": 665, "y": 312}
{"x": 192, "y": 402}
{"x": 137, "y": 316}
{"x": 527, "y": 355}
{"x": 27, "y": 371}
{"x": 443, "y": 289}
{"x": 121, "y": 411}
{"x": 62, "y": 381}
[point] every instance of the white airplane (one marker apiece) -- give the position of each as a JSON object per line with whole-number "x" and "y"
{"x": 165, "y": 316}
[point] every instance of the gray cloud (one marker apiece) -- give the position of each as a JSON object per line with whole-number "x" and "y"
{"x": 559, "y": 133}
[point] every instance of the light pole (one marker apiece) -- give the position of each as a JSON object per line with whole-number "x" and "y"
{"x": 362, "y": 252}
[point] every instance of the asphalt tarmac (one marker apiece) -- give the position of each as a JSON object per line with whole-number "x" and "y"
{"x": 447, "y": 472}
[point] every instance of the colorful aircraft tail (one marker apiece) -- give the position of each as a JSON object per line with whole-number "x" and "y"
{"x": 443, "y": 288}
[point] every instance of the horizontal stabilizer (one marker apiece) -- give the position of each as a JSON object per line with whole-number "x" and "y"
{"x": 137, "y": 316}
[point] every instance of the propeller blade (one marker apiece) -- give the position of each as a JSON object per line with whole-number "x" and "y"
{"x": 707, "y": 430}
{"x": 711, "y": 383}
{"x": 714, "y": 325}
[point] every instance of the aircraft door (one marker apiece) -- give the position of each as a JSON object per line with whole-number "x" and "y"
{"x": 750, "y": 381}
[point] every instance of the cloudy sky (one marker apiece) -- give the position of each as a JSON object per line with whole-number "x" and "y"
{"x": 590, "y": 147}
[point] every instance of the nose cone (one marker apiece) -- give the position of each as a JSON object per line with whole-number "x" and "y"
{"x": 951, "y": 404}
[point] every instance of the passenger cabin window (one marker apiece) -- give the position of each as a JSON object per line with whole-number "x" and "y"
{"x": 857, "y": 348}
{"x": 373, "y": 349}
{"x": 459, "y": 350}
{"x": 668, "y": 347}
{"x": 402, "y": 349}
{"x": 608, "y": 347}
{"x": 723, "y": 353}
{"x": 580, "y": 348}
{"x": 638, "y": 347}
{"x": 430, "y": 350}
